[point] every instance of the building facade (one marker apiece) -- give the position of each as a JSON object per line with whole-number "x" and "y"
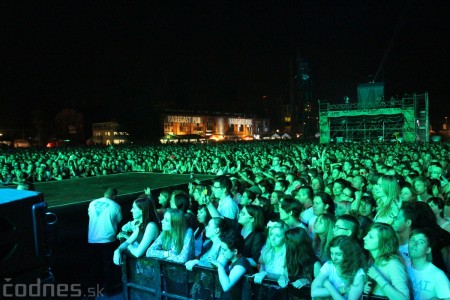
{"x": 207, "y": 126}
{"x": 108, "y": 133}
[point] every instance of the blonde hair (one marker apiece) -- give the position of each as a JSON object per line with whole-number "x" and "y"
{"x": 391, "y": 188}
{"x": 175, "y": 236}
{"x": 268, "y": 251}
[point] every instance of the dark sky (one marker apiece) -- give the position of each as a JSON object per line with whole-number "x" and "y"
{"x": 104, "y": 58}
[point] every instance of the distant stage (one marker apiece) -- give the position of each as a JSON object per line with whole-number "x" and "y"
{"x": 82, "y": 190}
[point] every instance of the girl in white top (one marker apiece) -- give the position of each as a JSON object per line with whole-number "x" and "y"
{"x": 176, "y": 241}
{"x": 273, "y": 255}
{"x": 387, "y": 276}
{"x": 343, "y": 276}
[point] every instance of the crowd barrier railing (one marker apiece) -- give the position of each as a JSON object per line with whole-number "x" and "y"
{"x": 151, "y": 278}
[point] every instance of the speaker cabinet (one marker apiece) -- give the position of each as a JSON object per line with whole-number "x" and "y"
{"x": 22, "y": 231}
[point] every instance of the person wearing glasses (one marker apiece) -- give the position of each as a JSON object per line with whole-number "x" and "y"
{"x": 346, "y": 225}
{"x": 227, "y": 207}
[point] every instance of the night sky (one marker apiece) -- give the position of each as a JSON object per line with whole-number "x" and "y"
{"x": 104, "y": 59}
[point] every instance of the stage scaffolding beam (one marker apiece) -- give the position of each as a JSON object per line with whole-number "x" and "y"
{"x": 407, "y": 118}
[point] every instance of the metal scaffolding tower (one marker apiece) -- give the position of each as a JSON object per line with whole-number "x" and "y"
{"x": 405, "y": 118}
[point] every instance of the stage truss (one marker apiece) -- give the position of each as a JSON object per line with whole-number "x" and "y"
{"x": 404, "y": 119}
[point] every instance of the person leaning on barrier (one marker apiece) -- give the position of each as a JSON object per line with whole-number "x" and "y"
{"x": 302, "y": 264}
{"x": 144, "y": 234}
{"x": 200, "y": 238}
{"x": 342, "y": 277}
{"x": 212, "y": 246}
{"x": 203, "y": 284}
{"x": 272, "y": 261}
{"x": 176, "y": 241}
{"x": 232, "y": 245}
{"x": 128, "y": 228}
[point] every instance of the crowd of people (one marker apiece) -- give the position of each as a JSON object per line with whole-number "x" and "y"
{"x": 344, "y": 219}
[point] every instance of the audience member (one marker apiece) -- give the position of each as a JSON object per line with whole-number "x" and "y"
{"x": 251, "y": 218}
{"x": 104, "y": 216}
{"x": 200, "y": 238}
{"x": 145, "y": 232}
{"x": 428, "y": 281}
{"x": 176, "y": 241}
{"x": 212, "y": 246}
{"x": 387, "y": 274}
{"x": 437, "y": 206}
{"x": 232, "y": 246}
{"x": 386, "y": 192}
{"x": 323, "y": 234}
{"x": 302, "y": 264}
{"x": 342, "y": 277}
{"x": 272, "y": 261}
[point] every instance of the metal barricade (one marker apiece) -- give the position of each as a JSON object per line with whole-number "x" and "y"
{"x": 151, "y": 278}
{"x": 269, "y": 289}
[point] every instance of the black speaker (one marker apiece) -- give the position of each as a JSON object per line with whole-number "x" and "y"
{"x": 23, "y": 232}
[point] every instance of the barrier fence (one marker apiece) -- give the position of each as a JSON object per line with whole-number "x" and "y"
{"x": 150, "y": 278}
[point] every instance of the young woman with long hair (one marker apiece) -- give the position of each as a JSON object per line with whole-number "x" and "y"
{"x": 176, "y": 241}
{"x": 251, "y": 218}
{"x": 302, "y": 264}
{"x": 322, "y": 203}
{"x": 387, "y": 275}
{"x": 181, "y": 201}
{"x": 342, "y": 277}
{"x": 273, "y": 255}
{"x": 211, "y": 248}
{"x": 323, "y": 228}
{"x": 145, "y": 232}
{"x": 200, "y": 238}
{"x": 386, "y": 193}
